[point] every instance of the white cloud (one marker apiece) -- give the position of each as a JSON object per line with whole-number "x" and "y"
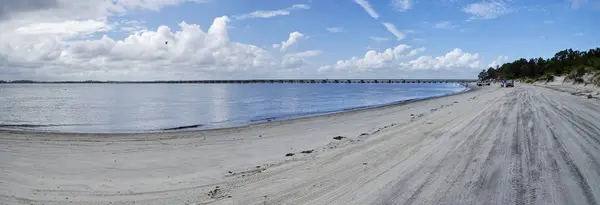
{"x": 186, "y": 53}
{"x": 62, "y": 10}
{"x": 392, "y": 29}
{"x": 498, "y": 61}
{"x": 293, "y": 39}
{"x": 272, "y": 13}
{"x": 402, "y": 5}
{"x": 65, "y": 28}
{"x": 297, "y": 60}
{"x": 409, "y": 31}
{"x": 579, "y": 34}
{"x": 487, "y": 9}
{"x": 418, "y": 39}
{"x": 548, "y": 22}
{"x": 445, "y": 25}
{"x": 276, "y": 45}
{"x": 455, "y": 59}
{"x": 373, "y": 60}
{"x": 379, "y": 39}
{"x": 335, "y": 29}
{"x": 368, "y": 8}
{"x": 66, "y": 18}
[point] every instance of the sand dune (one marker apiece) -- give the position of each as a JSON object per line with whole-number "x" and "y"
{"x": 522, "y": 145}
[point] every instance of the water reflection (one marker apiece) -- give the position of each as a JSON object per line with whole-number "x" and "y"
{"x": 144, "y": 107}
{"x": 219, "y": 103}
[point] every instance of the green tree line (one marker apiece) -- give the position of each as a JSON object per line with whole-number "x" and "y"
{"x": 570, "y": 63}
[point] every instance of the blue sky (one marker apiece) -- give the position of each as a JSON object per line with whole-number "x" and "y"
{"x": 529, "y": 29}
{"x": 332, "y": 31}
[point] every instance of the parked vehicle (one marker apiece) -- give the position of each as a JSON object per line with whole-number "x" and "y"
{"x": 481, "y": 83}
{"x": 509, "y": 83}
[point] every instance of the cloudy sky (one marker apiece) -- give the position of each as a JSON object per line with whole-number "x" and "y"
{"x": 250, "y": 39}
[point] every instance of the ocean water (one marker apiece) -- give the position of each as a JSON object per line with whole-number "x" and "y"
{"x": 126, "y": 108}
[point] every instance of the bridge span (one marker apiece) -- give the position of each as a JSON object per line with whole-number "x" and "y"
{"x": 462, "y": 81}
{"x": 320, "y": 81}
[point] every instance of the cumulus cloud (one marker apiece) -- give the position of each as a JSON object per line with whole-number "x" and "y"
{"x": 335, "y": 29}
{"x": 402, "y": 5}
{"x": 487, "y": 9}
{"x": 68, "y": 40}
{"x": 293, "y": 39}
{"x": 368, "y": 8}
{"x": 188, "y": 52}
{"x": 455, "y": 59}
{"x": 272, "y": 13}
{"x": 498, "y": 61}
{"x": 374, "y": 60}
{"x": 392, "y": 29}
{"x": 454, "y": 62}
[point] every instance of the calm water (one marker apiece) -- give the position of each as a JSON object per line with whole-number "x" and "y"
{"x": 104, "y": 108}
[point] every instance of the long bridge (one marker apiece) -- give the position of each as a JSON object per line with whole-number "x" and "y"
{"x": 274, "y": 81}
{"x": 335, "y": 81}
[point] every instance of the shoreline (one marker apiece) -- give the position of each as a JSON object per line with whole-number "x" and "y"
{"x": 469, "y": 87}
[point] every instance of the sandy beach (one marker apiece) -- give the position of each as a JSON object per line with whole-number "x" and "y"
{"x": 583, "y": 90}
{"x": 492, "y": 145}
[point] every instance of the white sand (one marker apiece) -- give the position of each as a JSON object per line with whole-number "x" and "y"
{"x": 584, "y": 90}
{"x": 522, "y": 145}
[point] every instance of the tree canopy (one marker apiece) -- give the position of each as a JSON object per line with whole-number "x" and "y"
{"x": 569, "y": 62}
